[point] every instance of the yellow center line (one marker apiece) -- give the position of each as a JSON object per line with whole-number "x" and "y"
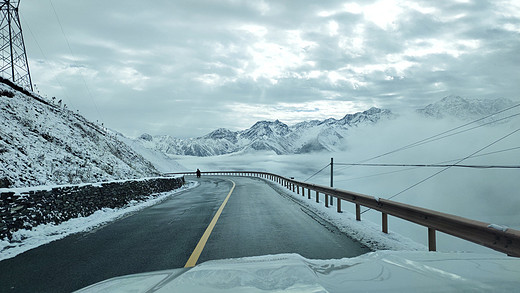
{"x": 192, "y": 261}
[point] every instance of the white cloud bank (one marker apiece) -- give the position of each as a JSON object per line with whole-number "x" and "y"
{"x": 488, "y": 195}
{"x": 178, "y": 67}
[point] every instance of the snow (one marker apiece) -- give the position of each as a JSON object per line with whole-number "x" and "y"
{"x": 488, "y": 195}
{"x": 160, "y": 160}
{"x": 24, "y": 240}
{"x": 465, "y": 108}
{"x": 399, "y": 264}
{"x": 364, "y": 231}
{"x": 381, "y": 271}
{"x": 266, "y": 135}
{"x": 498, "y": 227}
{"x": 47, "y": 144}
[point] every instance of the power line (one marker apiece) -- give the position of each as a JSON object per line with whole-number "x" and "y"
{"x": 409, "y": 169}
{"x": 448, "y": 167}
{"x": 45, "y": 57}
{"x": 71, "y": 52}
{"x": 435, "y": 166}
{"x": 465, "y": 130}
{"x": 428, "y": 140}
{"x": 438, "y": 136}
{"x": 317, "y": 172}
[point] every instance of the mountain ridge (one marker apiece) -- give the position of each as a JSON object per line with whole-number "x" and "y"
{"x": 276, "y": 136}
{"x": 464, "y": 108}
{"x": 313, "y": 135}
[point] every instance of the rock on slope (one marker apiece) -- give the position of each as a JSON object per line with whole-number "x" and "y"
{"x": 43, "y": 144}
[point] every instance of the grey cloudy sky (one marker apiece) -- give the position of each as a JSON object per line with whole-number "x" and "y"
{"x": 187, "y": 67}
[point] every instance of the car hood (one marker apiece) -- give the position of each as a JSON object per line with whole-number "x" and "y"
{"x": 387, "y": 271}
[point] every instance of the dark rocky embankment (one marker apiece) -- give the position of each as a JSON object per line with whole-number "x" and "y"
{"x": 28, "y": 209}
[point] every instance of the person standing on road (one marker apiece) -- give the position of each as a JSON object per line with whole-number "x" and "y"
{"x": 198, "y": 173}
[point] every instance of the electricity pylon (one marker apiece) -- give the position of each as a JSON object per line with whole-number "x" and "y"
{"x": 13, "y": 63}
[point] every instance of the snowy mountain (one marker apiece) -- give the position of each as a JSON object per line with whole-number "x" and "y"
{"x": 310, "y": 136}
{"x": 43, "y": 143}
{"x": 273, "y": 136}
{"x": 464, "y": 109}
{"x": 160, "y": 160}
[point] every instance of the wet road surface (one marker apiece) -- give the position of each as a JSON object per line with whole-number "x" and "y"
{"x": 256, "y": 220}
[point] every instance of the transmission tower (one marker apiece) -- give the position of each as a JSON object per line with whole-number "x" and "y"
{"x": 13, "y": 63}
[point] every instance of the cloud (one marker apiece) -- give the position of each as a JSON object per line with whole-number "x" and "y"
{"x": 397, "y": 54}
{"x": 488, "y": 195}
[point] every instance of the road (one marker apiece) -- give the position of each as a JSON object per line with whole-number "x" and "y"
{"x": 256, "y": 220}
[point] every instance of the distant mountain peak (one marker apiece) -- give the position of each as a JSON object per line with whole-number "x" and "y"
{"x": 464, "y": 108}
{"x": 220, "y": 133}
{"x": 265, "y": 129}
{"x": 274, "y": 136}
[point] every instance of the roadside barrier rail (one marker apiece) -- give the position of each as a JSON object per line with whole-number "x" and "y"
{"x": 496, "y": 237}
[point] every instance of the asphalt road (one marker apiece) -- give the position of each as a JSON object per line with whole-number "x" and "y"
{"x": 256, "y": 220}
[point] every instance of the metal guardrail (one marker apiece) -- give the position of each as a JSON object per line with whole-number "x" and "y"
{"x": 505, "y": 240}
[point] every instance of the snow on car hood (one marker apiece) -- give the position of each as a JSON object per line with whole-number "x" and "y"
{"x": 382, "y": 271}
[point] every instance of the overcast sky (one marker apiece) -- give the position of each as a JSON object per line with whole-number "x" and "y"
{"x": 187, "y": 67}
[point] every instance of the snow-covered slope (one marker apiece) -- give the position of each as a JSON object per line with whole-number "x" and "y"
{"x": 464, "y": 108}
{"x": 42, "y": 144}
{"x": 159, "y": 160}
{"x": 272, "y": 136}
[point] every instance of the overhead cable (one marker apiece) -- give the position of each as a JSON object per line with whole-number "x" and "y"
{"x": 413, "y": 168}
{"x": 434, "y": 137}
{"x": 458, "y": 162}
{"x": 45, "y": 57}
{"x": 317, "y": 172}
{"x": 89, "y": 93}
{"x": 435, "y": 166}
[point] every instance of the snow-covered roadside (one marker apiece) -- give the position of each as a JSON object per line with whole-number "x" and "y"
{"x": 24, "y": 240}
{"x": 364, "y": 231}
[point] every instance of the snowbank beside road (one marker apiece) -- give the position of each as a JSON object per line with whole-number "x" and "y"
{"x": 366, "y": 232}
{"x": 24, "y": 240}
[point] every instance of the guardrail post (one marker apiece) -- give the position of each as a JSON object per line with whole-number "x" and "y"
{"x": 298, "y": 189}
{"x": 326, "y": 200}
{"x": 331, "y": 200}
{"x": 339, "y": 205}
{"x": 358, "y": 212}
{"x": 293, "y": 187}
{"x": 432, "y": 243}
{"x": 317, "y": 196}
{"x": 385, "y": 223}
{"x": 309, "y": 193}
